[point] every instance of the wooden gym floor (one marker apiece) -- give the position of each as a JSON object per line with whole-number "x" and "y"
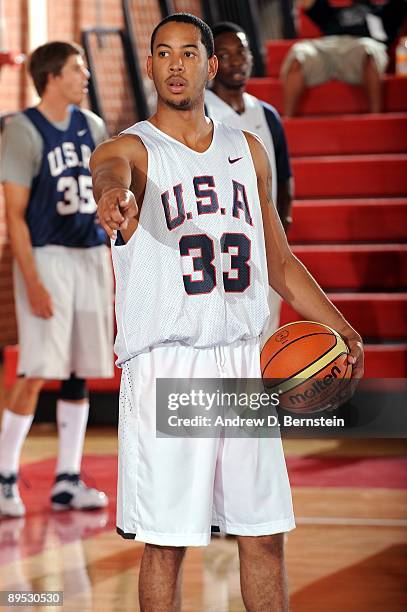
{"x": 347, "y": 553}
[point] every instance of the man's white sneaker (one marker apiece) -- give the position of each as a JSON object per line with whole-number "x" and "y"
{"x": 70, "y": 493}
{"x": 11, "y": 503}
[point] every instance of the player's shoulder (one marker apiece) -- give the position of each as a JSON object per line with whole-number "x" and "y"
{"x": 253, "y": 140}
{"x": 96, "y": 125}
{"x": 18, "y": 129}
{"x": 92, "y": 118}
{"x": 127, "y": 139}
{"x": 125, "y": 145}
{"x": 123, "y": 140}
{"x": 257, "y": 149}
{"x": 271, "y": 113}
{"x": 18, "y": 121}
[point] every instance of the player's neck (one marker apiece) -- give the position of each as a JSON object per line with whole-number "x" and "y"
{"x": 54, "y": 110}
{"x": 189, "y": 127}
{"x": 233, "y": 97}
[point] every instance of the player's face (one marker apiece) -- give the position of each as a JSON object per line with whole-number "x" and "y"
{"x": 235, "y": 59}
{"x": 179, "y": 66}
{"x": 72, "y": 82}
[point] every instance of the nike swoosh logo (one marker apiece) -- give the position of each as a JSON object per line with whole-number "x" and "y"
{"x": 81, "y": 133}
{"x": 232, "y": 161}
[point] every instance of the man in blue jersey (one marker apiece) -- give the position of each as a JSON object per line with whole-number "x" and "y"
{"x": 228, "y": 102}
{"x": 62, "y": 272}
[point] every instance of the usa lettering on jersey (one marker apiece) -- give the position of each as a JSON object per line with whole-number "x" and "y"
{"x": 65, "y": 156}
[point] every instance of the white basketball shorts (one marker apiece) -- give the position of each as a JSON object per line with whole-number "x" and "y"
{"x": 172, "y": 490}
{"x": 78, "y": 338}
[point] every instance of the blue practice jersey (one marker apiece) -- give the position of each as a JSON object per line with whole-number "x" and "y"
{"x": 61, "y": 208}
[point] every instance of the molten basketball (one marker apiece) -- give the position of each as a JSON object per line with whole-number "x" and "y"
{"x": 306, "y": 362}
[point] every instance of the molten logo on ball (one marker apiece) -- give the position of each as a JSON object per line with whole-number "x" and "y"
{"x": 309, "y": 367}
{"x": 319, "y": 394}
{"x": 317, "y": 387}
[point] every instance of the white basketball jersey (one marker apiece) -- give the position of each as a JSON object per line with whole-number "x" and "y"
{"x": 195, "y": 271}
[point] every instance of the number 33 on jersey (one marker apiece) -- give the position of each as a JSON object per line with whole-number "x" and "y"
{"x": 198, "y": 250}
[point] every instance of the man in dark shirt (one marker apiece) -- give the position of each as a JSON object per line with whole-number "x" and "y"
{"x": 228, "y": 101}
{"x": 352, "y": 49}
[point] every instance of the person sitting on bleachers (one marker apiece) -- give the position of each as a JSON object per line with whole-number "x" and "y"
{"x": 353, "y": 49}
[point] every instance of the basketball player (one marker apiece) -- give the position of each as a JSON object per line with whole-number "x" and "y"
{"x": 62, "y": 273}
{"x": 196, "y": 242}
{"x": 227, "y": 101}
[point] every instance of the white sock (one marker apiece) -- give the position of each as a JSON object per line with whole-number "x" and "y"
{"x": 14, "y": 430}
{"x": 72, "y": 419}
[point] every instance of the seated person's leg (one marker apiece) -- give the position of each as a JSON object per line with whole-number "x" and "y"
{"x": 304, "y": 66}
{"x": 362, "y": 61}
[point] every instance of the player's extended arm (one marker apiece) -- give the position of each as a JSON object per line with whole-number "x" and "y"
{"x": 17, "y": 197}
{"x": 287, "y": 275}
{"x": 111, "y": 165}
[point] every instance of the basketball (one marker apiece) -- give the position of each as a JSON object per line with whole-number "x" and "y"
{"x": 305, "y": 363}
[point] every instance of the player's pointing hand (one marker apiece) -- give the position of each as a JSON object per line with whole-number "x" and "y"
{"x": 115, "y": 208}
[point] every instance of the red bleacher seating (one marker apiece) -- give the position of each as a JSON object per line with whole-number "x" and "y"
{"x": 332, "y": 98}
{"x": 343, "y": 220}
{"x": 347, "y": 135}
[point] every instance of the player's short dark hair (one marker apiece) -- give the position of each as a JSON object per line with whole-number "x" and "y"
{"x": 206, "y": 34}
{"x": 227, "y": 26}
{"x": 50, "y": 59}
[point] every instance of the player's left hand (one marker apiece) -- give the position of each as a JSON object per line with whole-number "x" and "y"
{"x": 356, "y": 355}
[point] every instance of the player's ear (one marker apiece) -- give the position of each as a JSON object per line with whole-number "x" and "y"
{"x": 150, "y": 67}
{"x": 212, "y": 67}
{"x": 51, "y": 78}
